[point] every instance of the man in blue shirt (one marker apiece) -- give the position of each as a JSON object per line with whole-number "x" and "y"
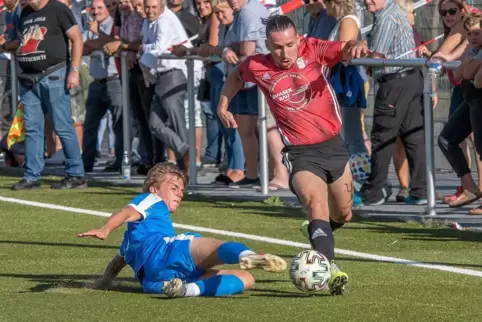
{"x": 12, "y": 19}
{"x": 176, "y": 265}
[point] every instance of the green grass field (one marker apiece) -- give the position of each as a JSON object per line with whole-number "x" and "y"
{"x": 46, "y": 270}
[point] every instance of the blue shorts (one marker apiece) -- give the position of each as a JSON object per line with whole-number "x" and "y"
{"x": 170, "y": 257}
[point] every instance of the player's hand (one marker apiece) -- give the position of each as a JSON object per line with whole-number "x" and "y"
{"x": 73, "y": 80}
{"x": 230, "y": 57}
{"x": 96, "y": 233}
{"x": 101, "y": 284}
{"x": 112, "y": 47}
{"x": 227, "y": 118}
{"x": 359, "y": 50}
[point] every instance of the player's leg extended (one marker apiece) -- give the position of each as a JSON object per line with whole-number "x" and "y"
{"x": 213, "y": 283}
{"x": 313, "y": 193}
{"x": 340, "y": 200}
{"x": 209, "y": 252}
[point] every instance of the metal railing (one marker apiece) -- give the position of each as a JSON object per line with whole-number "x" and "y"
{"x": 432, "y": 67}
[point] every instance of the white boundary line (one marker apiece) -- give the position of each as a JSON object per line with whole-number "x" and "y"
{"x": 268, "y": 240}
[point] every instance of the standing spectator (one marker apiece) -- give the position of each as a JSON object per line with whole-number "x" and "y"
{"x": 234, "y": 149}
{"x": 398, "y": 107}
{"x": 10, "y": 40}
{"x": 452, "y": 13}
{"x": 191, "y": 25}
{"x": 319, "y": 23}
{"x": 162, "y": 30}
{"x": 45, "y": 84}
{"x": 129, "y": 27}
{"x": 246, "y": 37}
{"x": 105, "y": 91}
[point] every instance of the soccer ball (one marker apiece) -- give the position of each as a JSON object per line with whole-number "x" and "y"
{"x": 310, "y": 271}
{"x": 361, "y": 166}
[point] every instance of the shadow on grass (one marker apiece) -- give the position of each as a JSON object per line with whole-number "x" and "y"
{"x": 52, "y": 282}
{"x": 38, "y": 243}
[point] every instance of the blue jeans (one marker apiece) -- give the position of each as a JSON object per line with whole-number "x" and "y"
{"x": 106, "y": 123}
{"x": 50, "y": 96}
{"x": 214, "y": 131}
{"x": 232, "y": 140}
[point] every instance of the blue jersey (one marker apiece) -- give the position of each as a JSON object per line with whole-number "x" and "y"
{"x": 155, "y": 221}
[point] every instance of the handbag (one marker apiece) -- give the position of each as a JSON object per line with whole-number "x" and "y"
{"x": 204, "y": 90}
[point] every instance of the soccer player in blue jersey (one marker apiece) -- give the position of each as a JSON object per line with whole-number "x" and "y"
{"x": 176, "y": 265}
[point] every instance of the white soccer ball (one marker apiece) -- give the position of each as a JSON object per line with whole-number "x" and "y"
{"x": 310, "y": 271}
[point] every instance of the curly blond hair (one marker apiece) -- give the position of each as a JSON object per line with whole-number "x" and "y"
{"x": 471, "y": 20}
{"x": 160, "y": 172}
{"x": 347, "y": 7}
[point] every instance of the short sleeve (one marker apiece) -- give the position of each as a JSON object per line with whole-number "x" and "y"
{"x": 245, "y": 71}
{"x": 327, "y": 53}
{"x": 65, "y": 17}
{"x": 249, "y": 25}
{"x": 143, "y": 202}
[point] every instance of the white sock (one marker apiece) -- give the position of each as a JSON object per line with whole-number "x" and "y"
{"x": 245, "y": 253}
{"x": 192, "y": 290}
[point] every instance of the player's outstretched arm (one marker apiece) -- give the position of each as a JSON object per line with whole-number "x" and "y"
{"x": 127, "y": 214}
{"x": 111, "y": 271}
{"x": 231, "y": 87}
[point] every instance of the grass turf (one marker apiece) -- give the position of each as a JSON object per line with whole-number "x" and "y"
{"x": 45, "y": 269}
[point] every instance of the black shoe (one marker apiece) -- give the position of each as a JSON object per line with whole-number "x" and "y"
{"x": 112, "y": 168}
{"x": 143, "y": 169}
{"x": 98, "y": 155}
{"x": 26, "y": 185}
{"x": 70, "y": 183}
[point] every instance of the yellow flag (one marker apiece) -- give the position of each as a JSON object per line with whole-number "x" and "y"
{"x": 16, "y": 134}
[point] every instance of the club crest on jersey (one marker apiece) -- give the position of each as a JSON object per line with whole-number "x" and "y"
{"x": 301, "y": 63}
{"x": 291, "y": 91}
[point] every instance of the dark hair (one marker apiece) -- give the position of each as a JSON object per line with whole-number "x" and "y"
{"x": 279, "y": 23}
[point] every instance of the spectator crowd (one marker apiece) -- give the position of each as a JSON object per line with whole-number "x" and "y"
{"x": 70, "y": 89}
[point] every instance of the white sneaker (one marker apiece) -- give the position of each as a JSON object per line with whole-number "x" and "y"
{"x": 268, "y": 262}
{"x": 174, "y": 288}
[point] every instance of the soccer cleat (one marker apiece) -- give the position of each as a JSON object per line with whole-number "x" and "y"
{"x": 304, "y": 229}
{"x": 338, "y": 280}
{"x": 268, "y": 262}
{"x": 174, "y": 288}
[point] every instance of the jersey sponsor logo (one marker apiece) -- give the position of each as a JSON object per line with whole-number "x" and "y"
{"x": 291, "y": 91}
{"x": 31, "y": 39}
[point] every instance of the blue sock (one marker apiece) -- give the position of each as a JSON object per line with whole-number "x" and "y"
{"x": 229, "y": 252}
{"x": 220, "y": 285}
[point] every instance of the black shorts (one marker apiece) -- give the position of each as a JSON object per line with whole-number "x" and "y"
{"x": 326, "y": 160}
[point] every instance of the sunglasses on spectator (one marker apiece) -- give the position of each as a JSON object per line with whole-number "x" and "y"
{"x": 451, "y": 11}
{"x": 308, "y": 1}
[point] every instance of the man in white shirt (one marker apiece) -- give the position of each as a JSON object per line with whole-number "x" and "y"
{"x": 105, "y": 92}
{"x": 160, "y": 31}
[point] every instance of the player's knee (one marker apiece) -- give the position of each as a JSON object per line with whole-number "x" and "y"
{"x": 342, "y": 214}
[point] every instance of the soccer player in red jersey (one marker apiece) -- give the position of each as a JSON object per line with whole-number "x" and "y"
{"x": 294, "y": 80}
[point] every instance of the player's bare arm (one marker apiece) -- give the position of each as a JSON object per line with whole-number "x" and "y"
{"x": 128, "y": 214}
{"x": 354, "y": 49}
{"x": 231, "y": 87}
{"x": 113, "y": 269}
